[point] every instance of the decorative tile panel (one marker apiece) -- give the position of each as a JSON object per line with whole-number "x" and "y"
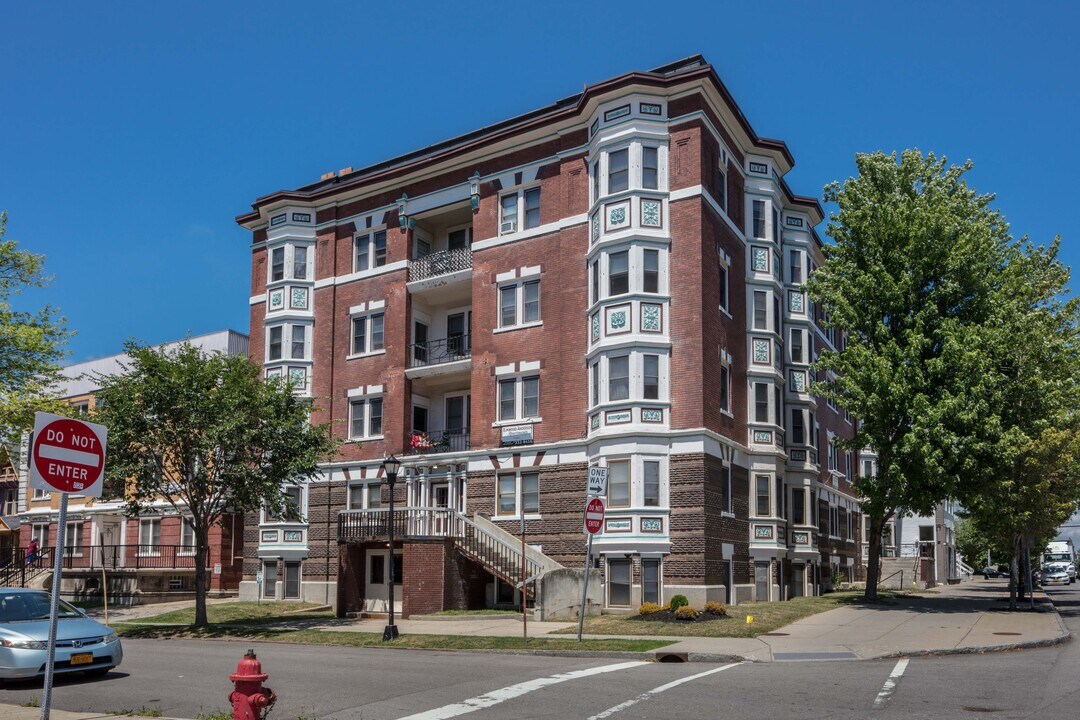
{"x": 618, "y": 215}
{"x": 617, "y": 417}
{"x": 596, "y": 227}
{"x": 650, "y": 109}
{"x": 277, "y": 300}
{"x": 652, "y": 415}
{"x": 761, "y": 351}
{"x": 618, "y": 319}
{"x": 798, "y": 381}
{"x": 298, "y": 298}
{"x": 294, "y": 536}
{"x": 760, "y": 260}
{"x": 798, "y": 455}
{"x": 594, "y": 422}
{"x": 795, "y": 301}
{"x": 652, "y": 525}
{"x": 763, "y": 436}
{"x": 650, "y": 213}
{"x": 651, "y": 318}
{"x": 298, "y": 376}
{"x": 594, "y": 329}
{"x": 273, "y": 372}
{"x": 800, "y": 538}
{"x": 763, "y": 532}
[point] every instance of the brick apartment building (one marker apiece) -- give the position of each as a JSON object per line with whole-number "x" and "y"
{"x": 149, "y": 558}
{"x": 613, "y": 279}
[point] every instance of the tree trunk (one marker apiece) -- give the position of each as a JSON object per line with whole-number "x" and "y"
{"x": 1014, "y": 575}
{"x": 200, "y": 577}
{"x": 1027, "y": 575}
{"x": 873, "y": 561}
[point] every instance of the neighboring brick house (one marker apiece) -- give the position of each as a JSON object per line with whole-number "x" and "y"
{"x": 148, "y": 558}
{"x": 614, "y": 279}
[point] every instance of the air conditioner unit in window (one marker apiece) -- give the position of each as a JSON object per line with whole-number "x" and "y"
{"x": 507, "y": 226}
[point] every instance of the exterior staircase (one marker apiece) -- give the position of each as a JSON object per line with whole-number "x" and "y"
{"x": 20, "y": 573}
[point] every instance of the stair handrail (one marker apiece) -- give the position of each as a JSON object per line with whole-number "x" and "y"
{"x": 531, "y": 566}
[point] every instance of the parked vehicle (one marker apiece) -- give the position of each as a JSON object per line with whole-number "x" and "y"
{"x": 991, "y": 572}
{"x": 1054, "y": 575}
{"x": 82, "y": 643}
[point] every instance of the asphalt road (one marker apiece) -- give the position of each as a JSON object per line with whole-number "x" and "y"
{"x": 187, "y": 678}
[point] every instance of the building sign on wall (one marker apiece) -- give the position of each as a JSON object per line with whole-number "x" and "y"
{"x": 759, "y": 168}
{"x": 617, "y": 526}
{"x": 517, "y": 435}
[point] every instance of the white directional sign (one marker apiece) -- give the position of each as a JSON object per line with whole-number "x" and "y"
{"x": 67, "y": 455}
{"x": 597, "y": 482}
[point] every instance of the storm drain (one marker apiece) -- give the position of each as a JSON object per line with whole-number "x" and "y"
{"x": 672, "y": 657}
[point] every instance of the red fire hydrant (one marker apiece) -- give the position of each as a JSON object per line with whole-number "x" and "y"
{"x": 250, "y": 700}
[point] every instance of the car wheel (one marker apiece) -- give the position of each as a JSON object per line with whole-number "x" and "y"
{"x": 98, "y": 672}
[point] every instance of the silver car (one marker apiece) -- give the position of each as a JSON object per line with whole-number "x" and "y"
{"x": 82, "y": 644}
{"x": 1054, "y": 575}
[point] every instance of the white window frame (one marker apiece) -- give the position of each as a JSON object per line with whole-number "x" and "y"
{"x": 729, "y": 501}
{"x": 755, "y": 494}
{"x": 287, "y": 342}
{"x": 636, "y": 376}
{"x": 40, "y": 532}
{"x": 368, "y": 333}
{"x": 520, "y": 209}
{"x": 73, "y": 530}
{"x": 364, "y": 403}
{"x": 367, "y": 490}
{"x": 727, "y": 399}
{"x": 518, "y": 288}
{"x": 519, "y": 492}
{"x": 519, "y": 398}
{"x": 725, "y": 292}
{"x": 155, "y": 538}
{"x": 187, "y": 528}
{"x": 636, "y": 490}
{"x": 288, "y": 272}
{"x": 368, "y": 236}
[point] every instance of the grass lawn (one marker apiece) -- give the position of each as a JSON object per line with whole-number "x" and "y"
{"x": 353, "y": 639}
{"x": 241, "y": 613}
{"x": 768, "y": 616}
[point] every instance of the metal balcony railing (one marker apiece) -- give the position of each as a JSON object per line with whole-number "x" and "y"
{"x": 440, "y": 263}
{"x": 436, "y": 352}
{"x": 17, "y": 568}
{"x": 439, "y": 442}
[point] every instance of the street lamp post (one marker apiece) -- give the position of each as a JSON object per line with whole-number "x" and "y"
{"x": 391, "y": 465}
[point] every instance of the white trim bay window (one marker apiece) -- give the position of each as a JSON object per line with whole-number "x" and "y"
{"x": 519, "y": 398}
{"x": 289, "y": 262}
{"x": 519, "y": 304}
{"x": 365, "y": 418}
{"x": 633, "y": 376}
{"x": 369, "y": 250}
{"x": 519, "y": 210}
{"x": 636, "y": 482}
{"x": 518, "y": 493}
{"x": 287, "y": 342}
{"x": 368, "y": 334}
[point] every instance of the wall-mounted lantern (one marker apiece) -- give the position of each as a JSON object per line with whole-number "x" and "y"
{"x": 474, "y": 191}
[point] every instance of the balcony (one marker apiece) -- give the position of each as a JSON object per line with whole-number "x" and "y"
{"x": 446, "y": 262}
{"x": 409, "y": 522}
{"x": 447, "y": 441}
{"x": 445, "y": 362}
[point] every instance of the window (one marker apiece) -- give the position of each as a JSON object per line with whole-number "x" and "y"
{"x": 650, "y": 580}
{"x": 270, "y": 568}
{"x": 650, "y": 280}
{"x": 798, "y": 427}
{"x": 795, "y": 267}
{"x": 595, "y": 280}
{"x": 73, "y": 538}
{"x": 294, "y": 501}
{"x": 798, "y": 506}
{"x": 619, "y": 574}
{"x": 651, "y": 377}
{"x": 41, "y": 534}
{"x": 834, "y": 456}
{"x": 595, "y": 374}
{"x": 370, "y": 250}
{"x": 149, "y": 536}
{"x": 763, "y": 504}
{"x": 619, "y": 378}
{"x": 298, "y": 345}
{"x": 850, "y": 525}
{"x": 509, "y": 213}
{"x": 721, "y": 186}
{"x": 775, "y": 226}
{"x": 761, "y": 310}
{"x": 834, "y": 521}
{"x": 619, "y": 273}
{"x": 367, "y": 496}
{"x": 725, "y": 388}
{"x": 797, "y": 355}
{"x": 651, "y": 483}
{"x": 274, "y": 343}
{"x": 759, "y": 219}
{"x": 618, "y": 178}
{"x": 532, "y": 207}
{"x": 725, "y": 486}
{"x": 277, "y": 264}
{"x": 761, "y": 402}
{"x": 650, "y": 168}
{"x": 722, "y": 276}
{"x": 519, "y": 491}
{"x": 813, "y": 428}
{"x": 618, "y": 491}
{"x": 367, "y": 333}
{"x": 519, "y": 398}
{"x": 519, "y": 301}
{"x": 187, "y": 536}
{"x": 299, "y": 263}
{"x": 596, "y": 180}
{"x": 868, "y": 468}
{"x": 365, "y": 418}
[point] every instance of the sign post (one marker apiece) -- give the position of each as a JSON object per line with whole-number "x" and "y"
{"x": 67, "y": 456}
{"x": 594, "y": 521}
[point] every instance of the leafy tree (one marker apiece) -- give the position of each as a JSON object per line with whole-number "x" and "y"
{"x": 32, "y": 342}
{"x": 205, "y": 433}
{"x": 910, "y": 272}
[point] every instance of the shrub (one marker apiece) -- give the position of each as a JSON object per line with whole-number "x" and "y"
{"x": 649, "y": 609}
{"x": 685, "y": 612}
{"x": 714, "y": 608}
{"x": 677, "y": 602}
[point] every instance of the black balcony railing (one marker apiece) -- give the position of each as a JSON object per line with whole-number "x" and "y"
{"x": 436, "y": 352}
{"x": 410, "y": 522}
{"x": 18, "y": 567}
{"x": 439, "y": 442}
{"x": 440, "y": 263}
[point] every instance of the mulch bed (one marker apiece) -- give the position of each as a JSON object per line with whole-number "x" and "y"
{"x": 669, "y": 617}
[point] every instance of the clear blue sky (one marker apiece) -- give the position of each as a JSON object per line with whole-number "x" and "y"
{"x": 132, "y": 133}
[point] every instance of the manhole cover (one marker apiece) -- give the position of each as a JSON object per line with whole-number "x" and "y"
{"x": 774, "y": 634}
{"x": 1008, "y": 633}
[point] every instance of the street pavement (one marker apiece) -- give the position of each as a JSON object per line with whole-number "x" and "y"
{"x": 189, "y": 678}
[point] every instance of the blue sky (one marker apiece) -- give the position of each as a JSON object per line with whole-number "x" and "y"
{"x": 132, "y": 133}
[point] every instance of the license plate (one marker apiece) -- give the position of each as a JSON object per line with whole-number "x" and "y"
{"x": 82, "y": 658}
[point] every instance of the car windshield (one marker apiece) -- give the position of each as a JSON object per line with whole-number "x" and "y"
{"x": 23, "y": 606}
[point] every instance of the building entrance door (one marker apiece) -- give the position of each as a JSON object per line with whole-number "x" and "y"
{"x": 798, "y": 580}
{"x": 376, "y": 566}
{"x": 761, "y": 581}
{"x": 440, "y": 500}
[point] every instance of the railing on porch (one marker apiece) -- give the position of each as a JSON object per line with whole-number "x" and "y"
{"x": 440, "y": 263}
{"x": 17, "y": 569}
{"x": 131, "y": 557}
{"x": 437, "y": 352}
{"x": 446, "y": 441}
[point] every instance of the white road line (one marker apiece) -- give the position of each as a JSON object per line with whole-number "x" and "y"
{"x": 512, "y": 691}
{"x": 890, "y": 683}
{"x": 657, "y": 690}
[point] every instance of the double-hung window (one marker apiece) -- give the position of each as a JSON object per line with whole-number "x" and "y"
{"x": 274, "y": 342}
{"x": 618, "y": 178}
{"x": 797, "y": 354}
{"x": 651, "y": 483}
{"x": 725, "y": 486}
{"x": 73, "y": 539}
{"x": 149, "y": 536}
{"x": 298, "y": 345}
{"x": 367, "y": 333}
{"x": 365, "y": 418}
{"x": 595, "y": 390}
{"x": 596, "y": 181}
{"x": 798, "y": 427}
{"x": 619, "y": 378}
{"x": 523, "y": 205}
{"x": 795, "y": 267}
{"x": 299, "y": 263}
{"x": 759, "y": 219}
{"x": 721, "y": 186}
{"x": 722, "y": 277}
{"x": 650, "y": 377}
{"x": 761, "y": 310}
{"x": 277, "y": 264}
{"x": 518, "y": 494}
{"x": 366, "y": 496}
{"x": 798, "y": 506}
{"x": 519, "y": 304}
{"x": 370, "y": 251}
{"x": 650, "y": 271}
{"x": 618, "y": 490}
{"x": 763, "y": 505}
{"x": 761, "y": 402}
{"x": 650, "y": 168}
{"x": 187, "y": 537}
{"x": 725, "y": 388}
{"x": 294, "y": 504}
{"x": 619, "y": 273}
{"x": 531, "y": 198}
{"x": 519, "y": 398}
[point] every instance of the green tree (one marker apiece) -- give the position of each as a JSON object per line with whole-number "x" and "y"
{"x": 31, "y": 343}
{"x": 914, "y": 259}
{"x": 205, "y": 433}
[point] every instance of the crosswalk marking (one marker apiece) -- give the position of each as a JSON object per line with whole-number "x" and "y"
{"x": 890, "y": 683}
{"x": 657, "y": 690}
{"x": 512, "y": 691}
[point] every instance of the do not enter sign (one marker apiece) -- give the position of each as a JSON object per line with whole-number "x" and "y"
{"x": 68, "y": 455}
{"x": 594, "y": 516}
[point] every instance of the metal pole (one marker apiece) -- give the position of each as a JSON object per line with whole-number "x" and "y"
{"x": 585, "y": 587}
{"x": 54, "y": 607}
{"x": 524, "y": 580}
{"x": 391, "y": 631}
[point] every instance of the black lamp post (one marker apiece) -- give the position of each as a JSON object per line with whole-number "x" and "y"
{"x": 391, "y": 465}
